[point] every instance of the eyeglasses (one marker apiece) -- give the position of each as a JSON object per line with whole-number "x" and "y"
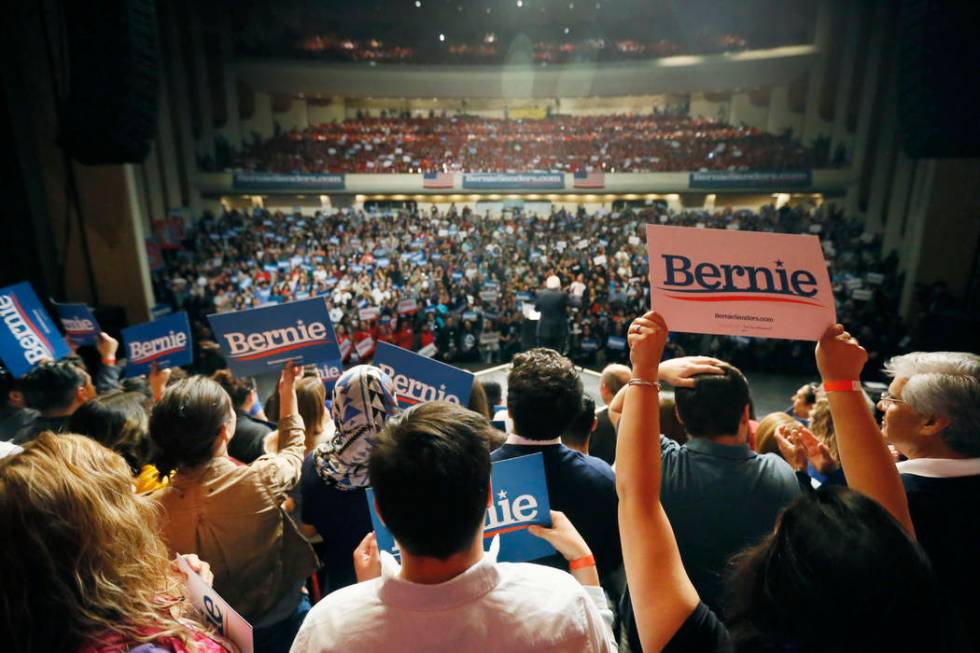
{"x": 888, "y": 399}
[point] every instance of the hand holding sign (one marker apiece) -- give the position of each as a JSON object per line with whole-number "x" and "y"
{"x": 214, "y": 608}
{"x": 367, "y": 560}
{"x": 158, "y": 379}
{"x": 107, "y": 346}
{"x": 839, "y": 355}
{"x": 568, "y": 542}
{"x": 198, "y": 566}
{"x": 563, "y": 536}
{"x": 647, "y": 337}
{"x": 291, "y": 373}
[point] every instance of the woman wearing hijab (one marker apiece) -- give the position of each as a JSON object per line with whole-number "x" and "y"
{"x": 335, "y": 473}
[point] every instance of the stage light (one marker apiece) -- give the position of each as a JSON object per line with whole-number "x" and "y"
{"x": 567, "y": 30}
{"x": 520, "y": 3}
{"x": 442, "y": 37}
{"x": 418, "y": 3}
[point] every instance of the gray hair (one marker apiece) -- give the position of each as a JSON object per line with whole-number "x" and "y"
{"x": 944, "y": 383}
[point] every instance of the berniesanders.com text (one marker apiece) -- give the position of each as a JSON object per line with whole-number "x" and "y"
{"x": 746, "y": 318}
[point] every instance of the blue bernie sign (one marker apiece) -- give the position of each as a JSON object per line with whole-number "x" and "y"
{"x": 418, "y": 378}
{"x": 165, "y": 341}
{"x": 79, "y": 323}
{"x": 519, "y": 499}
{"x": 617, "y": 343}
{"x": 261, "y": 340}
{"x": 27, "y": 335}
{"x": 329, "y": 372}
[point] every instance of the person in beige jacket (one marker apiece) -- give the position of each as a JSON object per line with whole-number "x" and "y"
{"x": 230, "y": 514}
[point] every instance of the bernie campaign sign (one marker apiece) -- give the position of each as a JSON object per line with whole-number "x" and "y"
{"x": 260, "y": 340}
{"x": 419, "y": 379}
{"x": 166, "y": 342}
{"x": 519, "y": 499}
{"x": 774, "y": 179}
{"x": 740, "y": 283}
{"x": 217, "y": 611}
{"x": 259, "y": 181}
{"x": 79, "y": 323}
{"x": 28, "y": 335}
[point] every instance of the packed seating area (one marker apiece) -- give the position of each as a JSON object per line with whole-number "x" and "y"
{"x": 471, "y": 274}
{"x": 489, "y": 50}
{"x": 560, "y": 143}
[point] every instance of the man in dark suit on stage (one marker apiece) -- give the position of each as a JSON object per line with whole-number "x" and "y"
{"x": 552, "y": 303}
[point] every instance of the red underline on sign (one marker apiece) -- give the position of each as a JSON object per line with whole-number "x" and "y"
{"x": 279, "y": 350}
{"x": 37, "y": 332}
{"x": 501, "y": 531}
{"x": 745, "y": 298}
{"x": 157, "y": 355}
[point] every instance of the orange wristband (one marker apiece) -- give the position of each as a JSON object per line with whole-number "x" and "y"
{"x": 584, "y": 561}
{"x": 842, "y": 386}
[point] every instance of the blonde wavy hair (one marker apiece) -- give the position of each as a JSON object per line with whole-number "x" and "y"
{"x": 822, "y": 425}
{"x": 765, "y": 441}
{"x": 83, "y": 557}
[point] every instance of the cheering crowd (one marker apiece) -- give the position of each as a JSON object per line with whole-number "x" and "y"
{"x": 620, "y": 143}
{"x": 114, "y": 498}
{"x": 459, "y": 282}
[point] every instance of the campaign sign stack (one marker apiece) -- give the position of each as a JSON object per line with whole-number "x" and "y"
{"x": 28, "y": 335}
{"x": 519, "y": 499}
{"x": 261, "y": 340}
{"x": 419, "y": 379}
{"x": 166, "y": 342}
{"x": 79, "y": 323}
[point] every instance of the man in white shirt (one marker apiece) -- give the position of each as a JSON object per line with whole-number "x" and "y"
{"x": 430, "y": 471}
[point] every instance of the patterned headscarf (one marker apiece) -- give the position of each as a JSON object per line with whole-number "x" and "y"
{"x": 363, "y": 400}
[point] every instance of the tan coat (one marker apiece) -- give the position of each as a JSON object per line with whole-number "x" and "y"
{"x": 230, "y": 516}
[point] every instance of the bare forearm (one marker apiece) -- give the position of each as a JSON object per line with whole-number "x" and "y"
{"x": 638, "y": 446}
{"x": 588, "y": 576}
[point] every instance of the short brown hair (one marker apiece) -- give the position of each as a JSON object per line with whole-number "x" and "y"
{"x": 430, "y": 471}
{"x": 544, "y": 393}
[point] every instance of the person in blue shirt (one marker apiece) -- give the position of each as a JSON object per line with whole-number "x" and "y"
{"x": 544, "y": 394}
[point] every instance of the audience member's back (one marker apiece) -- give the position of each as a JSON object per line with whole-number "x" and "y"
{"x": 720, "y": 495}
{"x": 447, "y": 594}
{"x": 543, "y": 395}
